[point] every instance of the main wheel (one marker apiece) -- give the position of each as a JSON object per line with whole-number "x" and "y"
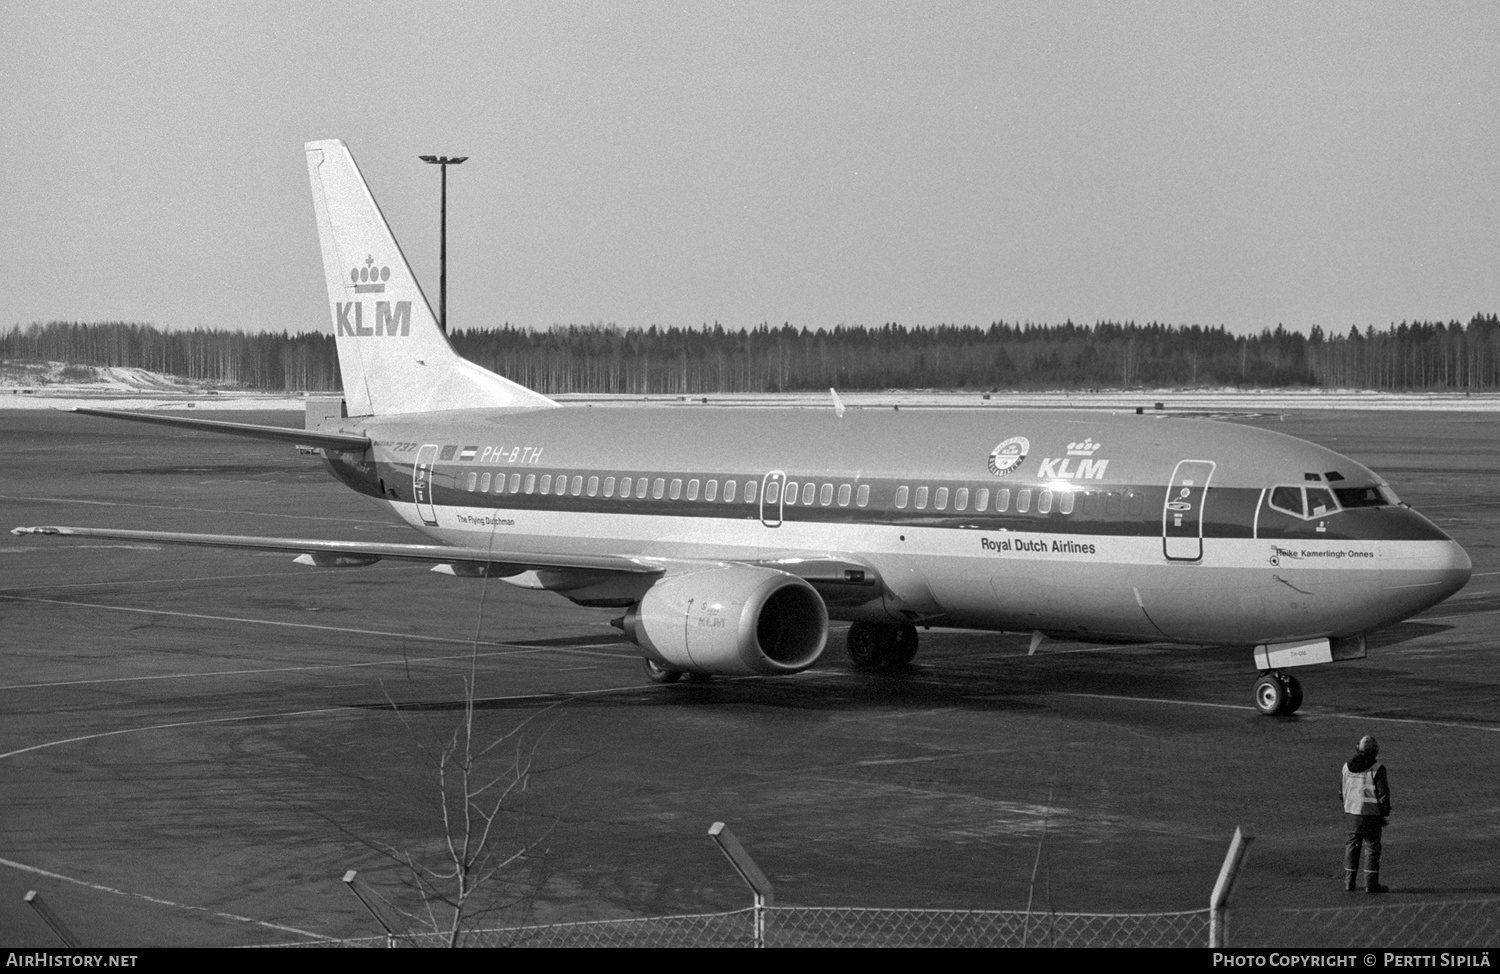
{"x": 657, "y": 673}
{"x": 869, "y": 645}
{"x": 1270, "y": 695}
{"x": 905, "y": 649}
{"x": 1293, "y": 693}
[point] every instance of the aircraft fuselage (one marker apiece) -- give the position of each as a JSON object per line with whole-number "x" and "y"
{"x": 1092, "y": 525}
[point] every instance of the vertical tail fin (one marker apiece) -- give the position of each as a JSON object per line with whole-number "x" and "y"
{"x": 392, "y": 355}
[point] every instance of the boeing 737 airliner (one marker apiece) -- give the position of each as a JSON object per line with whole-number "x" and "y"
{"x": 730, "y": 537}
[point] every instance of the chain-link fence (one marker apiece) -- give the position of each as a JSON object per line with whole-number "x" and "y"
{"x": 1453, "y": 923}
{"x": 802, "y": 926}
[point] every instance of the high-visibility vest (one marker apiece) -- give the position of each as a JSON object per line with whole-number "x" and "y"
{"x": 1359, "y": 791}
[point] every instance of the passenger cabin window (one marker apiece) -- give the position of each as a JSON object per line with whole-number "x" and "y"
{"x": 578, "y": 486}
{"x": 844, "y": 491}
{"x": 981, "y": 499}
{"x": 1023, "y": 500}
{"x": 711, "y": 490}
{"x": 940, "y": 499}
{"x": 609, "y": 486}
{"x": 921, "y": 498}
{"x": 961, "y": 499}
{"x": 515, "y": 482}
{"x": 862, "y": 496}
{"x": 749, "y": 492}
{"x": 692, "y": 493}
{"x": 791, "y": 494}
{"x": 773, "y": 491}
{"x": 825, "y": 496}
{"x": 676, "y": 491}
{"x": 729, "y": 486}
{"x": 1044, "y": 502}
{"x": 901, "y": 495}
{"x": 1002, "y": 500}
{"x": 530, "y": 483}
{"x": 593, "y": 490}
{"x": 545, "y": 487}
{"x": 1065, "y": 501}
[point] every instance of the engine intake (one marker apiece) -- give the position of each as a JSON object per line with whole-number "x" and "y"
{"x": 731, "y": 620}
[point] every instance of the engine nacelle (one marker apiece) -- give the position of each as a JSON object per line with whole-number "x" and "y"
{"x": 731, "y": 620}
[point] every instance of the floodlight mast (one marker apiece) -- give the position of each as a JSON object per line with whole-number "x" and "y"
{"x": 444, "y": 162}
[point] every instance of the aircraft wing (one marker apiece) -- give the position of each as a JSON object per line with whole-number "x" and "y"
{"x": 286, "y": 434}
{"x": 337, "y": 554}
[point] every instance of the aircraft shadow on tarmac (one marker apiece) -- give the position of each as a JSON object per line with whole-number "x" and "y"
{"x": 840, "y": 690}
{"x": 1405, "y": 632}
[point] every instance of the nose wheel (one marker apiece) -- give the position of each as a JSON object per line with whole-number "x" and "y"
{"x": 1277, "y": 694}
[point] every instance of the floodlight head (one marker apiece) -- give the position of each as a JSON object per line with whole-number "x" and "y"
{"x": 443, "y": 160}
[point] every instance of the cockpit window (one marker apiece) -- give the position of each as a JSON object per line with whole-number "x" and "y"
{"x": 1288, "y": 499}
{"x": 1361, "y": 497}
{"x": 1304, "y": 502}
{"x": 1320, "y": 502}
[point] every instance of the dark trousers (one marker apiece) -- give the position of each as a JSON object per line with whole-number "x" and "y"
{"x": 1364, "y": 833}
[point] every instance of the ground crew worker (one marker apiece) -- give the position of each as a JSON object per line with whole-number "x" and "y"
{"x": 1367, "y": 801}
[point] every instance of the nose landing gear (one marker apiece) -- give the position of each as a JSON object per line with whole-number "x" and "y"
{"x": 1277, "y": 693}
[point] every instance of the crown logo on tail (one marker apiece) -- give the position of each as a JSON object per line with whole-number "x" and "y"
{"x": 369, "y": 279}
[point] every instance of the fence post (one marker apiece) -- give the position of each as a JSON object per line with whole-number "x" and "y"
{"x": 760, "y": 887}
{"x": 390, "y": 936}
{"x": 1218, "y": 901}
{"x": 33, "y": 899}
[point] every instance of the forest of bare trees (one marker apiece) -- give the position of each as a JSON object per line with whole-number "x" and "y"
{"x": 595, "y": 358}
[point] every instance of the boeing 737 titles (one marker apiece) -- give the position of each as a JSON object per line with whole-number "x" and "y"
{"x": 731, "y": 537}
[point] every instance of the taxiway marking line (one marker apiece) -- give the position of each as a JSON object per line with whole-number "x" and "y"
{"x": 156, "y": 581}
{"x": 343, "y": 711}
{"x": 418, "y": 637}
{"x": 1311, "y": 716}
{"x": 511, "y": 650}
{"x": 22, "y": 867}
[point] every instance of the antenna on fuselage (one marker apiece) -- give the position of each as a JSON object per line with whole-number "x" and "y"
{"x": 838, "y": 404}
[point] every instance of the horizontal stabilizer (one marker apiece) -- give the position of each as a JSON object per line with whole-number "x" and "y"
{"x": 342, "y": 442}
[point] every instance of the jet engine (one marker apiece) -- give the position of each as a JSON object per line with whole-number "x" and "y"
{"x": 731, "y": 620}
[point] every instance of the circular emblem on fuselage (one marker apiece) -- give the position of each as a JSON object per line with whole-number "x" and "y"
{"x": 1006, "y": 457}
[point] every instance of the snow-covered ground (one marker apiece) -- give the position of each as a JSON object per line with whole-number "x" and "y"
{"x": 54, "y": 385}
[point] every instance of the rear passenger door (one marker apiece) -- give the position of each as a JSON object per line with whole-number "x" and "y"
{"x": 421, "y": 483}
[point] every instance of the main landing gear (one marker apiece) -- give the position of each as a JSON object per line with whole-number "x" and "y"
{"x": 657, "y": 673}
{"x": 1277, "y": 693}
{"x": 873, "y": 646}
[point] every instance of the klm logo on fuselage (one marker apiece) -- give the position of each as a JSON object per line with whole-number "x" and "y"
{"x": 391, "y": 318}
{"x": 1061, "y": 468}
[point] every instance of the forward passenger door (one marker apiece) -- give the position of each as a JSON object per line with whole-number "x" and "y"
{"x": 1182, "y": 515}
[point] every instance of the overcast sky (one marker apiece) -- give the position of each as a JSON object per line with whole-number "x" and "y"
{"x": 818, "y": 163}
